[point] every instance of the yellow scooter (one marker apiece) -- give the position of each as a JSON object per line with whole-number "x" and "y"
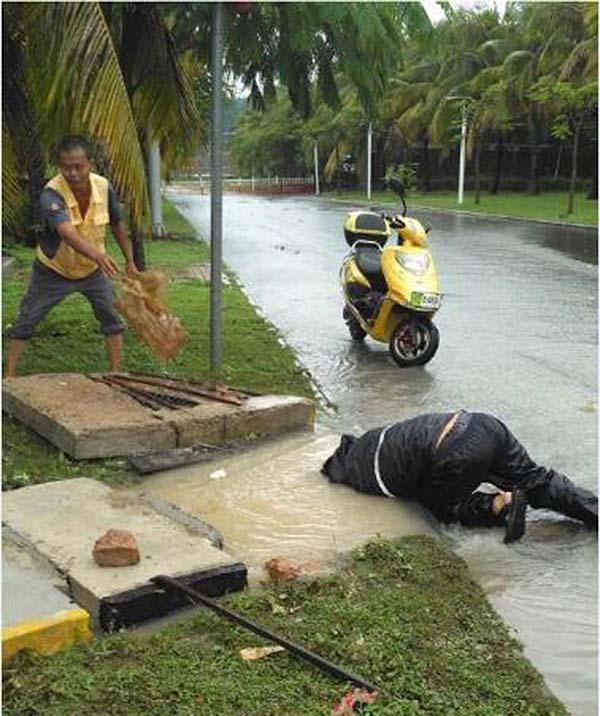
{"x": 391, "y": 293}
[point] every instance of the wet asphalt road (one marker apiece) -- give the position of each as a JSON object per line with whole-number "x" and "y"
{"x": 518, "y": 339}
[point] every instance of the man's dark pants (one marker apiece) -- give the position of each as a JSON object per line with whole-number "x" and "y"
{"x": 488, "y": 452}
{"x": 48, "y": 288}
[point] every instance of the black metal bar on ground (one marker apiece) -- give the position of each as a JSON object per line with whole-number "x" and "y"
{"x": 323, "y": 664}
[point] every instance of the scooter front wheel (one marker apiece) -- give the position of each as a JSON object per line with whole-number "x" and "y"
{"x": 414, "y": 342}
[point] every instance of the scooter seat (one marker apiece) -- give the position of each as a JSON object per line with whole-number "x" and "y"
{"x": 368, "y": 260}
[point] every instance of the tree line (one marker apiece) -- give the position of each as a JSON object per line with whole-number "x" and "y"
{"x": 130, "y": 75}
{"x": 527, "y": 79}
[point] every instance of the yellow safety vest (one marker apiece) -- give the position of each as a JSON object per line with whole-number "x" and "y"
{"x": 92, "y": 228}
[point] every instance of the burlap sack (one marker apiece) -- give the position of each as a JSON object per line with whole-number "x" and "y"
{"x": 142, "y": 303}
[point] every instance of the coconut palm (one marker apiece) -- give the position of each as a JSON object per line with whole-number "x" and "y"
{"x": 77, "y": 77}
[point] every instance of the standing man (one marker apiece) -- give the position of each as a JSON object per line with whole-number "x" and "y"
{"x": 76, "y": 206}
{"x": 441, "y": 459}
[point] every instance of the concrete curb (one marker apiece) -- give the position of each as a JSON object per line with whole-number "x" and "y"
{"x": 503, "y": 217}
{"x": 47, "y": 635}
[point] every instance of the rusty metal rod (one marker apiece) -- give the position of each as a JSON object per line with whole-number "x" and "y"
{"x": 167, "y": 399}
{"x": 323, "y": 664}
{"x": 148, "y": 398}
{"x": 183, "y": 387}
{"x": 240, "y": 392}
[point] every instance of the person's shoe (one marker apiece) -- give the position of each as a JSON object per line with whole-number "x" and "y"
{"x": 515, "y": 517}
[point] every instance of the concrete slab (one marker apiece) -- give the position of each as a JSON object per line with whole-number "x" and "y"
{"x": 30, "y": 589}
{"x": 84, "y": 418}
{"x": 60, "y": 521}
{"x": 87, "y": 419}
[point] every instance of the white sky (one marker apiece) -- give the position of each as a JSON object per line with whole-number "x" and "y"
{"x": 436, "y": 13}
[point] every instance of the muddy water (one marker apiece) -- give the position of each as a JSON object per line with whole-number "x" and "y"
{"x": 518, "y": 339}
{"x": 272, "y": 501}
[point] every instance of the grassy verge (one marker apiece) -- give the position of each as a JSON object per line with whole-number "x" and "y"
{"x": 69, "y": 341}
{"x": 404, "y": 614}
{"x": 549, "y": 206}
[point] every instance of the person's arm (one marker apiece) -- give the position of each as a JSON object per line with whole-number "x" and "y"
{"x": 117, "y": 226}
{"x": 120, "y": 235}
{"x": 69, "y": 234}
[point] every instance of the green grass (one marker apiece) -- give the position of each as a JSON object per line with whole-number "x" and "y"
{"x": 403, "y": 614}
{"x": 69, "y": 341}
{"x": 549, "y": 206}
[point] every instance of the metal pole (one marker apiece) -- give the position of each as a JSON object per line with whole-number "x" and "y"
{"x": 463, "y": 142}
{"x": 369, "y": 158}
{"x": 311, "y": 657}
{"x": 316, "y": 155}
{"x": 158, "y": 228}
{"x": 216, "y": 188}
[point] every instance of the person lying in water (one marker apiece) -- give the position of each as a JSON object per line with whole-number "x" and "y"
{"x": 440, "y": 459}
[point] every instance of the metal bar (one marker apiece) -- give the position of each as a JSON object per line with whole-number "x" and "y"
{"x": 216, "y": 188}
{"x": 222, "y": 395}
{"x": 239, "y": 392}
{"x": 323, "y": 664}
{"x": 168, "y": 399}
{"x": 144, "y": 400}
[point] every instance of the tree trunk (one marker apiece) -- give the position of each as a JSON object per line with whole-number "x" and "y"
{"x": 574, "y": 166}
{"x": 558, "y": 158}
{"x": 499, "y": 155}
{"x": 477, "y": 170}
{"x": 426, "y": 168}
{"x": 337, "y": 170}
{"x": 137, "y": 246}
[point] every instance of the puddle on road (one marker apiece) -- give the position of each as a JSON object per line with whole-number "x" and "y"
{"x": 272, "y": 501}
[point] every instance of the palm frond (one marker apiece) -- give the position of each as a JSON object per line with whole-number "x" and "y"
{"x": 80, "y": 88}
{"x": 13, "y": 196}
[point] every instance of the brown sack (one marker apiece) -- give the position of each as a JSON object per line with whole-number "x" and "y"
{"x": 142, "y": 304}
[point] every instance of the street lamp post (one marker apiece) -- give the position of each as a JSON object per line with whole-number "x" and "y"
{"x": 463, "y": 143}
{"x": 369, "y": 158}
{"x": 216, "y": 189}
{"x": 463, "y": 148}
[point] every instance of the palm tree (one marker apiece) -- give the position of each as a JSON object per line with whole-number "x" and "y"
{"x": 76, "y": 77}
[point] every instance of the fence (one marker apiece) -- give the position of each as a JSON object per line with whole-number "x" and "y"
{"x": 255, "y": 185}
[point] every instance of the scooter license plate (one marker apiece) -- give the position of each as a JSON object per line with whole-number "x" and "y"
{"x": 425, "y": 300}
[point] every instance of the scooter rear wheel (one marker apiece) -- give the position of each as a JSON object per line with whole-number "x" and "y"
{"x": 357, "y": 333}
{"x": 414, "y": 342}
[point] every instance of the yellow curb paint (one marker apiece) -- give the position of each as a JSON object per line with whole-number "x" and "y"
{"x": 48, "y": 635}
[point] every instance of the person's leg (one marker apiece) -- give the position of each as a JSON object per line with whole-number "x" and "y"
{"x": 114, "y": 348}
{"x": 545, "y": 488}
{"x": 100, "y": 293}
{"x": 459, "y": 466}
{"x": 16, "y": 347}
{"x": 46, "y": 289}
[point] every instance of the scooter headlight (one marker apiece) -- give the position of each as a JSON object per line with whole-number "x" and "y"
{"x": 414, "y": 262}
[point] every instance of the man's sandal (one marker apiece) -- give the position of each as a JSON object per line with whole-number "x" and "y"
{"x": 515, "y": 517}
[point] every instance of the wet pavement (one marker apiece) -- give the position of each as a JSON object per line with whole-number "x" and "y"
{"x": 518, "y": 339}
